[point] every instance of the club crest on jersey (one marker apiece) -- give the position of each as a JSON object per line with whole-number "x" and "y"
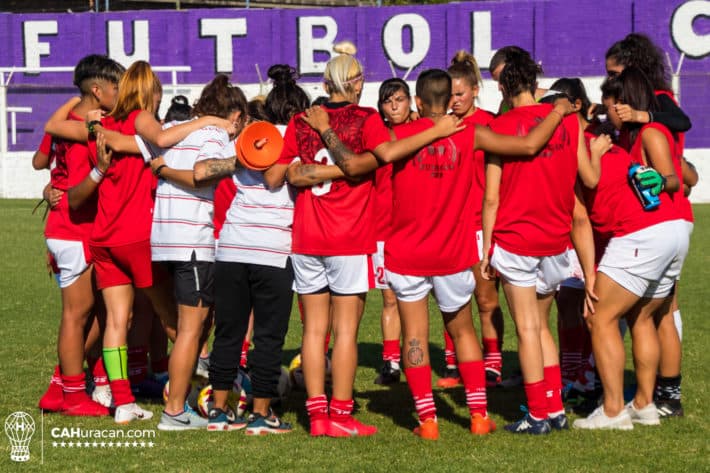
{"x": 438, "y": 158}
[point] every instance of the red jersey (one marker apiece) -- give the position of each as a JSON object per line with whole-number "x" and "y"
{"x": 613, "y": 207}
{"x": 432, "y": 216}
{"x": 671, "y": 204}
{"x": 125, "y": 208}
{"x": 334, "y": 218}
{"x": 483, "y": 118}
{"x": 63, "y": 223}
{"x": 536, "y": 193}
{"x": 383, "y": 200}
{"x": 223, "y": 196}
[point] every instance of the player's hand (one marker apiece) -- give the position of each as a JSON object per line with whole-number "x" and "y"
{"x": 414, "y": 115}
{"x": 628, "y": 114}
{"x": 487, "y": 271}
{"x": 156, "y": 163}
{"x": 651, "y": 179}
{"x": 317, "y": 118}
{"x": 600, "y": 145}
{"x": 590, "y": 297}
{"x": 224, "y": 124}
{"x": 103, "y": 153}
{"x": 563, "y": 105}
{"x": 94, "y": 115}
{"x": 448, "y": 125}
{"x": 52, "y": 195}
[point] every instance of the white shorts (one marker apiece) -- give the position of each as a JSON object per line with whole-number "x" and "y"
{"x": 378, "y": 263}
{"x": 689, "y": 226}
{"x": 647, "y": 262}
{"x": 341, "y": 274}
{"x": 451, "y": 292}
{"x": 543, "y": 272}
{"x": 575, "y": 279}
{"x": 70, "y": 258}
{"x": 479, "y": 244}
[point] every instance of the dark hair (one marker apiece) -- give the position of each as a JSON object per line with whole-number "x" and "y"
{"x": 574, "y": 89}
{"x": 388, "y": 88}
{"x": 633, "y": 88}
{"x": 96, "y": 66}
{"x": 464, "y": 66}
{"x": 501, "y": 56}
{"x": 256, "y": 110}
{"x": 179, "y": 110}
{"x": 638, "y": 50}
{"x": 519, "y": 74}
{"x": 320, "y": 100}
{"x": 286, "y": 98}
{"x": 434, "y": 87}
{"x": 220, "y": 98}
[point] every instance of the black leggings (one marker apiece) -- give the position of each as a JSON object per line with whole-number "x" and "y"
{"x": 239, "y": 287}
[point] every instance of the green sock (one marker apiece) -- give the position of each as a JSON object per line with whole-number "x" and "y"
{"x": 116, "y": 362}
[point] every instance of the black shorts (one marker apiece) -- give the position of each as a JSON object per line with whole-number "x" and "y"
{"x": 193, "y": 281}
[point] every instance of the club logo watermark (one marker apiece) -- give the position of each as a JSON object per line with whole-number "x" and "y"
{"x": 19, "y": 428}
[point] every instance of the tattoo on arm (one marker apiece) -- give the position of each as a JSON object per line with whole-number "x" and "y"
{"x": 415, "y": 354}
{"x": 338, "y": 150}
{"x": 307, "y": 170}
{"x": 220, "y": 167}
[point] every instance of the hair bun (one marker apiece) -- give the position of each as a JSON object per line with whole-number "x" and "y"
{"x": 345, "y": 47}
{"x": 465, "y": 58}
{"x": 282, "y": 74}
{"x": 179, "y": 100}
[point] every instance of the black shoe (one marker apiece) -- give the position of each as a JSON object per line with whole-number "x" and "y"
{"x": 669, "y": 408}
{"x": 493, "y": 378}
{"x": 559, "y": 422}
{"x": 388, "y": 374}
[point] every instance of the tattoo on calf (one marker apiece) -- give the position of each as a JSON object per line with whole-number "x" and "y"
{"x": 415, "y": 354}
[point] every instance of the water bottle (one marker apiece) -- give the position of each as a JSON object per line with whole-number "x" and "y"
{"x": 648, "y": 200}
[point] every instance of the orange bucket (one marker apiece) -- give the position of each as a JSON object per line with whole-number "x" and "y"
{"x": 259, "y": 146}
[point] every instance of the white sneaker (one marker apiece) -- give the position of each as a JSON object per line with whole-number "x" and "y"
{"x": 599, "y": 420}
{"x": 128, "y": 412}
{"x": 102, "y": 395}
{"x": 646, "y": 416}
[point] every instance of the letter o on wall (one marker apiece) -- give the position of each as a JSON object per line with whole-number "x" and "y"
{"x": 684, "y": 38}
{"x": 392, "y": 39}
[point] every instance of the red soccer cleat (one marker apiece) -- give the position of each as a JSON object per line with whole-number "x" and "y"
{"x": 428, "y": 430}
{"x": 85, "y": 408}
{"x": 350, "y": 427}
{"x": 482, "y": 425}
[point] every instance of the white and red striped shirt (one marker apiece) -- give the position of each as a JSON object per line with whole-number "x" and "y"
{"x": 182, "y": 218}
{"x": 257, "y": 229}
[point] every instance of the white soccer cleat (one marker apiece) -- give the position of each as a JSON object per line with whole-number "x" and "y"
{"x": 129, "y": 412}
{"x": 599, "y": 420}
{"x": 646, "y": 416}
{"x": 102, "y": 395}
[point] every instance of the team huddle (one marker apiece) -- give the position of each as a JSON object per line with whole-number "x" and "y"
{"x": 552, "y": 199}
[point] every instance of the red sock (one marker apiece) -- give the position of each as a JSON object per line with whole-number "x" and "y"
{"x": 391, "y": 351}
{"x": 553, "y": 389}
{"x": 121, "y": 390}
{"x": 137, "y": 364}
{"x": 99, "y": 373}
{"x": 473, "y": 377}
{"x": 74, "y": 389}
{"x": 537, "y": 401}
{"x": 56, "y": 381}
{"x": 419, "y": 381}
{"x": 492, "y": 357}
{"x": 449, "y": 350}
{"x": 160, "y": 366}
{"x": 246, "y": 344}
{"x": 317, "y": 407}
{"x": 340, "y": 411}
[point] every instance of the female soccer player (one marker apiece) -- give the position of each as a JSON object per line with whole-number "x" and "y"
{"x": 639, "y": 268}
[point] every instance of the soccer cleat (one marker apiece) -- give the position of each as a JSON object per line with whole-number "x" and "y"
{"x": 481, "y": 425}
{"x": 262, "y": 425}
{"x": 559, "y": 422}
{"x": 203, "y": 367}
{"x": 350, "y": 427}
{"x": 599, "y": 420}
{"x": 450, "y": 379}
{"x": 528, "y": 425}
{"x": 225, "y": 420}
{"x": 669, "y": 408}
{"x": 389, "y": 374}
{"x": 128, "y": 412}
{"x": 493, "y": 378}
{"x": 428, "y": 430}
{"x": 53, "y": 399}
{"x": 319, "y": 427}
{"x": 102, "y": 395}
{"x": 188, "y": 419}
{"x": 85, "y": 408}
{"x": 645, "y": 416}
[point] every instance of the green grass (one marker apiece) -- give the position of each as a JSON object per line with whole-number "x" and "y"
{"x": 29, "y": 316}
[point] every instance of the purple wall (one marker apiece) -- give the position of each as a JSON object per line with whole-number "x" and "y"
{"x": 569, "y": 38}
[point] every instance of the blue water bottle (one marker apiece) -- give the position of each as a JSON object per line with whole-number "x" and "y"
{"x": 647, "y": 199}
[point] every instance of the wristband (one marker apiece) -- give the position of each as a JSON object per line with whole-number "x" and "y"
{"x": 159, "y": 169}
{"x": 650, "y": 117}
{"x": 96, "y": 175}
{"x": 90, "y": 126}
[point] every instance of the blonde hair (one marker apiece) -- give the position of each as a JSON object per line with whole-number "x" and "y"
{"x": 343, "y": 71}
{"x": 136, "y": 91}
{"x": 464, "y": 66}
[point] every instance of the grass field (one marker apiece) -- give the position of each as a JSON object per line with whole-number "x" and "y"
{"x": 29, "y": 315}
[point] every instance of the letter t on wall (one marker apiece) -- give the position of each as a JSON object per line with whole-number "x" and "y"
{"x": 223, "y": 30}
